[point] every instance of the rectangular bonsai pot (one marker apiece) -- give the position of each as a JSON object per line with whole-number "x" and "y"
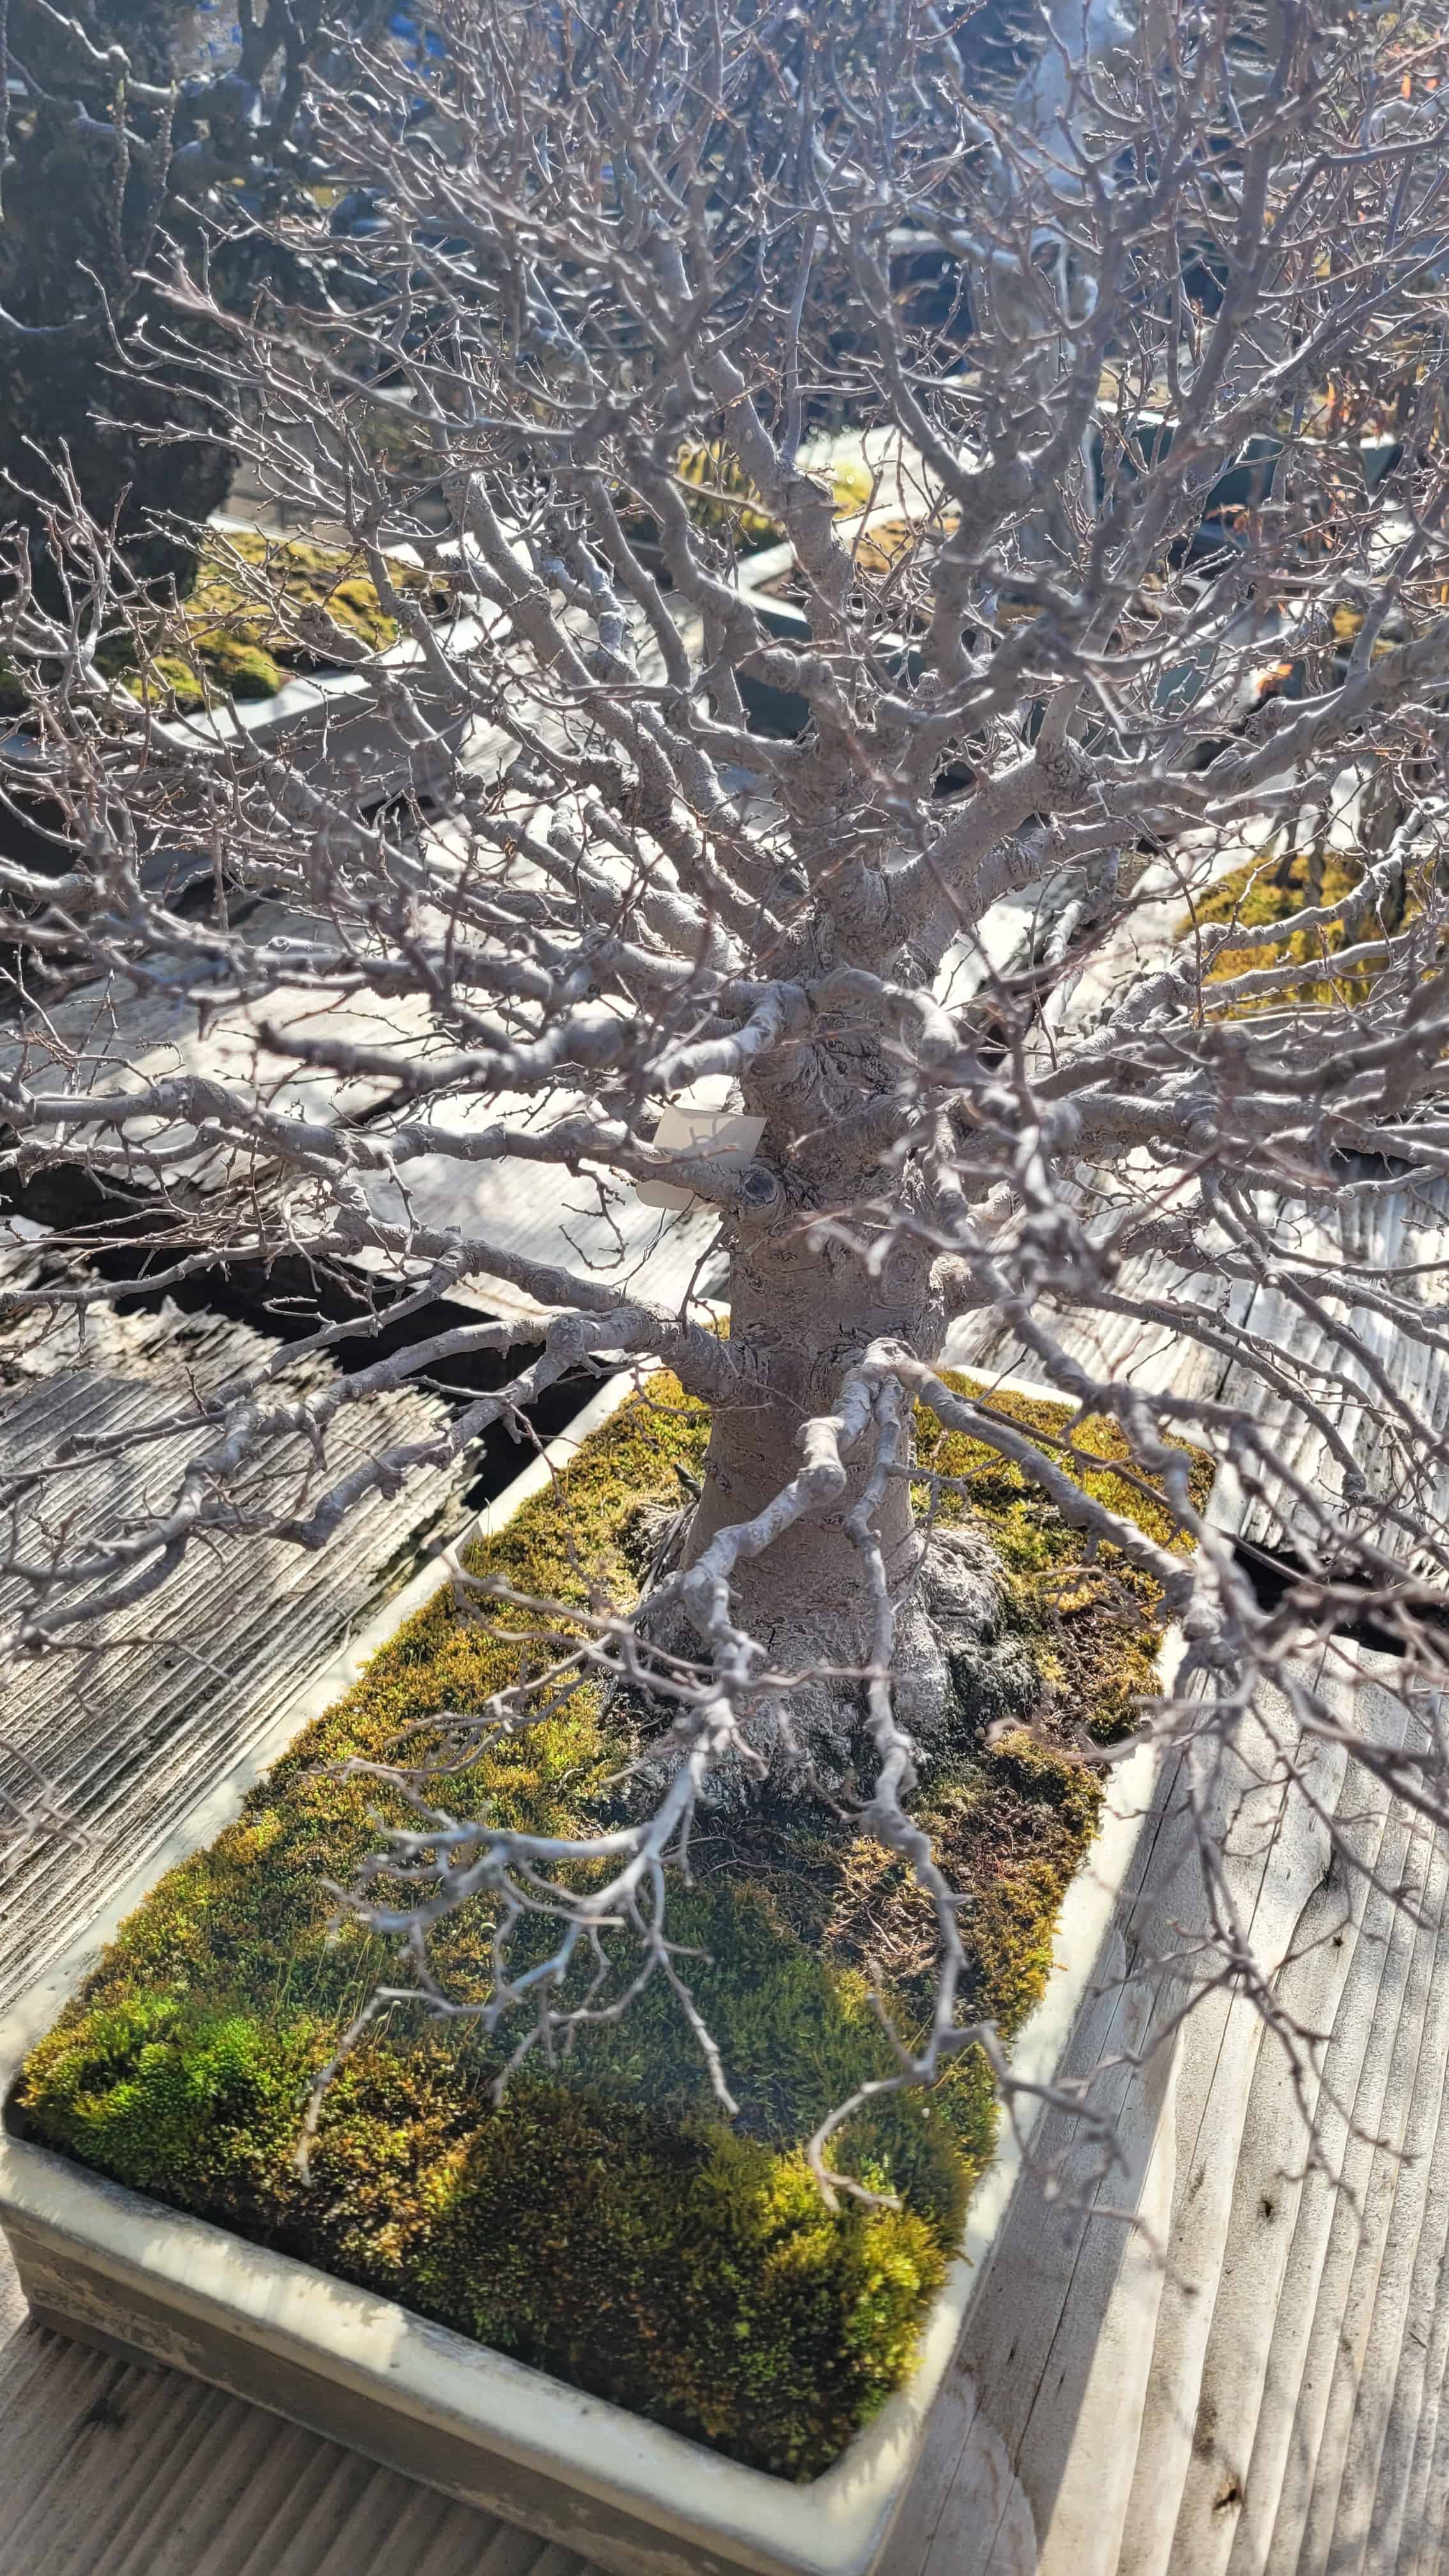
{"x": 329, "y": 726}
{"x": 117, "y": 2269}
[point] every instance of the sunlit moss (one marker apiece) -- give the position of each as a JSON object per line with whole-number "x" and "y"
{"x": 170, "y": 683}
{"x": 722, "y": 499}
{"x": 604, "y": 2222}
{"x": 1271, "y": 889}
{"x": 243, "y": 618}
{"x": 296, "y": 575}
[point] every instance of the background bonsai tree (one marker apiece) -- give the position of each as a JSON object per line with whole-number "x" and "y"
{"x": 1064, "y": 901}
{"x": 121, "y": 124}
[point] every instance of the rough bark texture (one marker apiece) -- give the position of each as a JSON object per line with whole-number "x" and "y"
{"x": 799, "y": 1318}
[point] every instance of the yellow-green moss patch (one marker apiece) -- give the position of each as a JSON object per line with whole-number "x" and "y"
{"x": 261, "y": 607}
{"x": 721, "y": 498}
{"x": 604, "y": 2223}
{"x": 1272, "y": 889}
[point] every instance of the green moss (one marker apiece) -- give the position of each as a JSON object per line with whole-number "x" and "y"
{"x": 242, "y": 669}
{"x": 245, "y": 612}
{"x": 295, "y": 576}
{"x": 171, "y": 683}
{"x": 721, "y": 498}
{"x": 603, "y": 2222}
{"x": 1272, "y": 889}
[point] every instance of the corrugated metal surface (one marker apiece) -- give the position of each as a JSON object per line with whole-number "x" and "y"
{"x": 119, "y": 1739}
{"x": 107, "y": 2469}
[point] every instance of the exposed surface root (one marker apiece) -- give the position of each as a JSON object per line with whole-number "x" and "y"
{"x": 963, "y": 1665}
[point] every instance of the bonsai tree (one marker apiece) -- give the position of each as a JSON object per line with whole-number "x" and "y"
{"x": 1065, "y": 905}
{"x": 120, "y": 133}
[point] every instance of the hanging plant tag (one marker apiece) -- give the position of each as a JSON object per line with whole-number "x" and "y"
{"x": 725, "y": 1135}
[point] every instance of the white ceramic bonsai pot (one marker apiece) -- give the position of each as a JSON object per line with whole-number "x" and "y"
{"x": 329, "y": 724}
{"x": 108, "y": 2265}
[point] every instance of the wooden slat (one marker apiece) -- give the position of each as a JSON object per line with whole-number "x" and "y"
{"x": 125, "y": 1736}
{"x": 108, "y": 2469}
{"x": 1403, "y": 1228}
{"x": 1290, "y": 2418}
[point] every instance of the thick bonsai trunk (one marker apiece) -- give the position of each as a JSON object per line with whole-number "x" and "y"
{"x": 798, "y": 1318}
{"x": 801, "y": 1317}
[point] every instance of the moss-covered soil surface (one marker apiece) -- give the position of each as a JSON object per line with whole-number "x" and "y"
{"x": 243, "y": 632}
{"x": 1273, "y": 889}
{"x": 240, "y": 629}
{"x": 604, "y": 2222}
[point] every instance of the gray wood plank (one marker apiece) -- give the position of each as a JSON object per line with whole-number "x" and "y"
{"x": 117, "y": 1740}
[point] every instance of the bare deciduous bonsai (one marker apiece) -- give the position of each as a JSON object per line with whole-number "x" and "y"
{"x": 117, "y": 129}
{"x": 1063, "y": 898}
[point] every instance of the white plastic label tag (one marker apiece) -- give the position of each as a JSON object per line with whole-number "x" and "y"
{"x": 724, "y": 1135}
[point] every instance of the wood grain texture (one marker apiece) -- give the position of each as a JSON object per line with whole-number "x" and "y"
{"x": 1291, "y": 2420}
{"x": 108, "y": 2468}
{"x": 1408, "y": 1227}
{"x": 119, "y": 1741}
{"x": 1251, "y": 2384}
